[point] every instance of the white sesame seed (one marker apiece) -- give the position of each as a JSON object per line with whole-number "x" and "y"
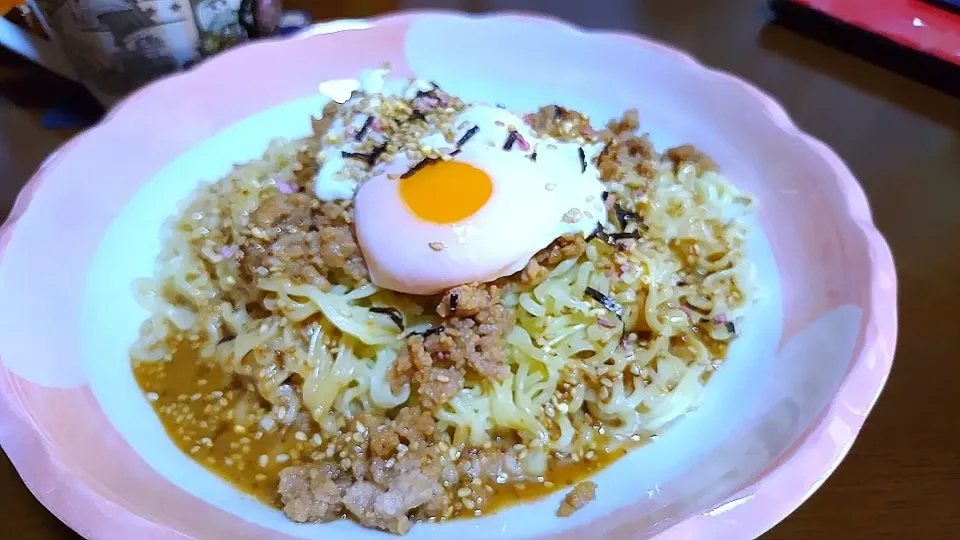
{"x": 282, "y": 458}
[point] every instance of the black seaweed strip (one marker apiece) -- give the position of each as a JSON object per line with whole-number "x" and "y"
{"x": 583, "y": 160}
{"x": 454, "y": 298}
{"x": 511, "y": 138}
{"x": 732, "y": 328}
{"x": 364, "y": 129}
{"x": 597, "y": 232}
{"x": 391, "y": 312}
{"x": 431, "y": 331}
{"x": 610, "y": 304}
{"x": 468, "y": 135}
{"x": 370, "y": 158}
{"x": 532, "y": 157}
{"x": 635, "y": 235}
{"x": 421, "y": 164}
{"x": 604, "y": 196}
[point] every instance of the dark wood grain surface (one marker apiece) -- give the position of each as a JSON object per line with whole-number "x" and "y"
{"x": 901, "y": 480}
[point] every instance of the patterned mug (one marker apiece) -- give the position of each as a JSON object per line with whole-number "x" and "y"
{"x": 116, "y": 46}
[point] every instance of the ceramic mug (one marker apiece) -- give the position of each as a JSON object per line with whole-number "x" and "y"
{"x": 116, "y": 46}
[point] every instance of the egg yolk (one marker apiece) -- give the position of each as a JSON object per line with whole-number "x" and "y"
{"x": 446, "y": 191}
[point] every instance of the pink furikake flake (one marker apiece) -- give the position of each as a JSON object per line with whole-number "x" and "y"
{"x": 522, "y": 143}
{"x": 286, "y": 188}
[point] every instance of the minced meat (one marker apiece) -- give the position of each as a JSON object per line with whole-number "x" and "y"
{"x": 296, "y": 237}
{"x": 381, "y": 494}
{"x": 472, "y": 339}
{"x": 563, "y": 248}
{"x": 687, "y": 153}
{"x": 579, "y": 496}
{"x": 560, "y": 123}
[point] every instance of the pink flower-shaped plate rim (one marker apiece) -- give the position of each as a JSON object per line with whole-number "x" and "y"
{"x": 756, "y": 507}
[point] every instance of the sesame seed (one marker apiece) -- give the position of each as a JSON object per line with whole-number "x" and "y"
{"x": 264, "y": 460}
{"x": 551, "y": 186}
{"x": 437, "y": 246}
{"x": 463, "y": 492}
{"x": 282, "y": 458}
{"x": 300, "y": 436}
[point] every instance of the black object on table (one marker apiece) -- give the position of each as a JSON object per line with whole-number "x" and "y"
{"x": 872, "y": 47}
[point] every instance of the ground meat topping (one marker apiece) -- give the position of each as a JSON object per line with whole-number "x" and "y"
{"x": 473, "y": 338}
{"x": 379, "y": 494}
{"x": 560, "y": 123}
{"x": 296, "y": 237}
{"x": 625, "y": 150}
{"x": 627, "y": 124}
{"x": 579, "y": 496}
{"x": 563, "y": 248}
{"x": 689, "y": 154}
{"x": 310, "y": 494}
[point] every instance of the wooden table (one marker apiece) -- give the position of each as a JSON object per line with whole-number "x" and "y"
{"x": 901, "y": 139}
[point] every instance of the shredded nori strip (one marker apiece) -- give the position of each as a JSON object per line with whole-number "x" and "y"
{"x": 391, "y": 312}
{"x": 454, "y": 298}
{"x": 532, "y": 157}
{"x": 635, "y": 235}
{"x": 623, "y": 216}
{"x": 500, "y": 106}
{"x": 364, "y": 129}
{"x": 583, "y": 160}
{"x": 455, "y": 152}
{"x": 421, "y": 164}
{"x": 511, "y": 138}
{"x": 732, "y": 328}
{"x": 432, "y": 330}
{"x": 598, "y": 232}
{"x": 611, "y": 239}
{"x": 370, "y": 158}
{"x": 468, "y": 135}
{"x": 559, "y": 112}
{"x": 612, "y": 305}
{"x": 604, "y": 196}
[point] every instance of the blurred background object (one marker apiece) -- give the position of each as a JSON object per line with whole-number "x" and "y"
{"x": 116, "y": 46}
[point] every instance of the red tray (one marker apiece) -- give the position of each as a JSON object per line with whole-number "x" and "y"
{"x": 917, "y": 24}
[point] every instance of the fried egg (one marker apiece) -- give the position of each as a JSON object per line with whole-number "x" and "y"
{"x": 478, "y": 213}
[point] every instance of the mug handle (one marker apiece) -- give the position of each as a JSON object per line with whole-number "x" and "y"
{"x": 35, "y": 49}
